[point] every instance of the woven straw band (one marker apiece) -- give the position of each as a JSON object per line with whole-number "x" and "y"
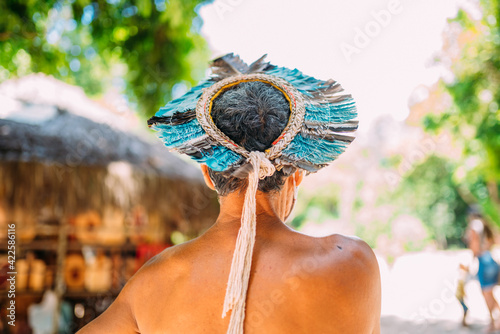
{"x": 294, "y": 97}
{"x": 262, "y": 166}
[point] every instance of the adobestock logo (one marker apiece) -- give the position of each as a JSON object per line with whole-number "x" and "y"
{"x": 373, "y": 28}
{"x": 225, "y": 6}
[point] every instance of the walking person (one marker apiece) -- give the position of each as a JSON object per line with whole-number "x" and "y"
{"x": 479, "y": 237}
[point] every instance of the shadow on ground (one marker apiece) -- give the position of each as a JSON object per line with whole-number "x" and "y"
{"x": 395, "y": 325}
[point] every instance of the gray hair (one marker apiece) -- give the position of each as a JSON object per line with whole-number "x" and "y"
{"x": 253, "y": 114}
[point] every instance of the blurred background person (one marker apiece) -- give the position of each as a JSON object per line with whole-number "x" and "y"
{"x": 463, "y": 277}
{"x": 479, "y": 238}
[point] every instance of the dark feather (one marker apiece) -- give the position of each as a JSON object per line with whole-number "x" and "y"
{"x": 302, "y": 164}
{"x": 347, "y": 126}
{"x": 226, "y": 66}
{"x": 328, "y": 93}
{"x": 330, "y": 132}
{"x": 231, "y": 64}
{"x": 260, "y": 65}
{"x": 330, "y": 136}
{"x": 202, "y": 144}
{"x": 242, "y": 171}
{"x": 175, "y": 119}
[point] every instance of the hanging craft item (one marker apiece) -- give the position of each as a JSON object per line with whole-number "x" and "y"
{"x": 112, "y": 230}
{"x": 22, "y": 276}
{"x": 98, "y": 275}
{"x": 74, "y": 272}
{"x": 86, "y": 226}
{"x": 37, "y": 275}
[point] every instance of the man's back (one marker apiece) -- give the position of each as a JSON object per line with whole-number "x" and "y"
{"x": 298, "y": 284}
{"x": 255, "y": 130}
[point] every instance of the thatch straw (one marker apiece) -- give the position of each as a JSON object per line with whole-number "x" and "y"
{"x": 68, "y": 165}
{"x": 34, "y": 191}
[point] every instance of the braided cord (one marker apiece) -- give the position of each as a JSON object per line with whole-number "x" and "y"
{"x": 239, "y": 275}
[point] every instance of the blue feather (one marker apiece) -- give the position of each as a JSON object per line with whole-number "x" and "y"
{"x": 331, "y": 113}
{"x": 174, "y": 136}
{"x": 219, "y": 159}
{"x": 186, "y": 102}
{"x": 314, "y": 150}
{"x": 299, "y": 80}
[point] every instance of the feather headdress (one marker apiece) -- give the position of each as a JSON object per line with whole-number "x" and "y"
{"x": 318, "y": 131}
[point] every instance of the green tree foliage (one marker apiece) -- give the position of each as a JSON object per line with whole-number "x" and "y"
{"x": 430, "y": 192}
{"x": 318, "y": 206}
{"x": 142, "y": 47}
{"x": 474, "y": 119}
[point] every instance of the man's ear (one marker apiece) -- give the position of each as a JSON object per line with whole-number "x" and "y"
{"x": 208, "y": 180}
{"x": 299, "y": 176}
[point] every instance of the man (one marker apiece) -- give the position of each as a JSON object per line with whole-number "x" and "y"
{"x": 261, "y": 128}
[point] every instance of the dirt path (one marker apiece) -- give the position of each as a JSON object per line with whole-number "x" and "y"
{"x": 418, "y": 295}
{"x": 394, "y": 325}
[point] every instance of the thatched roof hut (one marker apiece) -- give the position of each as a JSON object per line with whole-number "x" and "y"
{"x": 57, "y": 165}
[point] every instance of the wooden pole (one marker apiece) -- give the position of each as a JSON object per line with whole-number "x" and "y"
{"x": 60, "y": 286}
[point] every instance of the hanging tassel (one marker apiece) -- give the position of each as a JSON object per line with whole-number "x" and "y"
{"x": 239, "y": 274}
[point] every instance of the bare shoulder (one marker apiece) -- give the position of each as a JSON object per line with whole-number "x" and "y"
{"x": 123, "y": 316}
{"x": 349, "y": 280}
{"x": 350, "y": 259}
{"x": 351, "y": 250}
{"x": 165, "y": 267}
{"x": 338, "y": 251}
{"x": 338, "y": 260}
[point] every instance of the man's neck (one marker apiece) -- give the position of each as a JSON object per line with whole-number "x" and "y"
{"x": 271, "y": 209}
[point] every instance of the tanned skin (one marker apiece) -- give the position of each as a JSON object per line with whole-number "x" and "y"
{"x": 298, "y": 284}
